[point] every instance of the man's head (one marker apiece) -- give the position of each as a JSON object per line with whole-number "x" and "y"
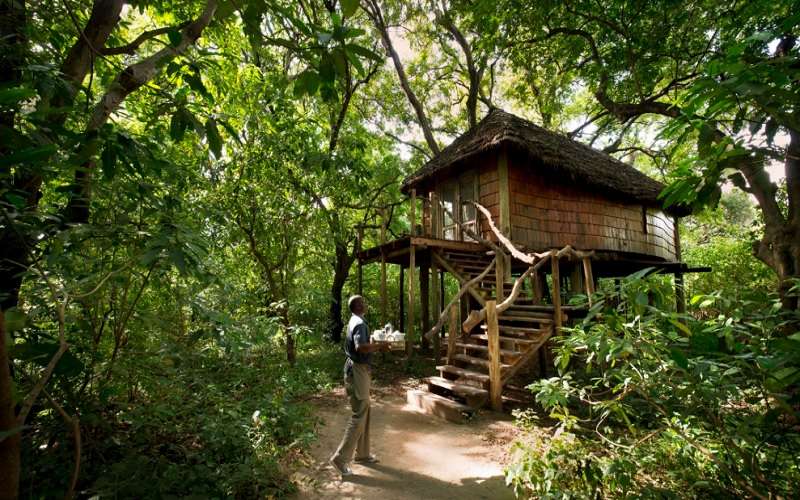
{"x": 357, "y": 305}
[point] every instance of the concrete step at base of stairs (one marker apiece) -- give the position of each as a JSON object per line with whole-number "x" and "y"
{"x": 433, "y": 404}
{"x": 472, "y": 396}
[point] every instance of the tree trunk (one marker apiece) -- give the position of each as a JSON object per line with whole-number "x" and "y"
{"x": 10, "y": 446}
{"x": 13, "y": 248}
{"x": 780, "y": 250}
{"x": 287, "y": 331}
{"x": 341, "y": 270}
{"x": 375, "y": 14}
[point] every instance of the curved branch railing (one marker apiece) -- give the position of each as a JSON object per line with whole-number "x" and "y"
{"x": 461, "y": 292}
{"x": 534, "y": 260}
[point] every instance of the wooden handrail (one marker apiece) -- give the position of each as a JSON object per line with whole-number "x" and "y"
{"x": 528, "y": 258}
{"x": 475, "y": 317}
{"x": 464, "y": 288}
{"x": 461, "y": 279}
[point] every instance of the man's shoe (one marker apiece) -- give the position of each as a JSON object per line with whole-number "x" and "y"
{"x": 342, "y": 469}
{"x": 369, "y": 459}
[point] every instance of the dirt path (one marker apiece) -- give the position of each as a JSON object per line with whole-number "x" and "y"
{"x": 421, "y": 456}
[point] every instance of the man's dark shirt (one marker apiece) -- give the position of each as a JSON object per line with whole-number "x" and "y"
{"x": 357, "y": 335}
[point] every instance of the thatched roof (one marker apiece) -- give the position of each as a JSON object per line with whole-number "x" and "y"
{"x": 574, "y": 161}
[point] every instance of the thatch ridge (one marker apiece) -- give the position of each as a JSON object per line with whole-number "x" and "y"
{"x": 579, "y": 162}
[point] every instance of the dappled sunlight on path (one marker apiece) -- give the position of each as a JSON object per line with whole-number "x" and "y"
{"x": 421, "y": 456}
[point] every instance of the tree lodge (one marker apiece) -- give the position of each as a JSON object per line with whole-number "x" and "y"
{"x": 524, "y": 219}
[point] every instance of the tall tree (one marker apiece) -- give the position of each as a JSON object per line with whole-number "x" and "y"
{"x": 706, "y": 70}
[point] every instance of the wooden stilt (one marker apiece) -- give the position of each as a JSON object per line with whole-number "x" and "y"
{"x": 437, "y": 311}
{"x": 384, "y": 299}
{"x": 401, "y": 320}
{"x": 441, "y": 291}
{"x": 424, "y": 302}
{"x": 538, "y": 287}
{"x": 453, "y": 333}
{"x": 680, "y": 294}
{"x": 495, "y": 381}
{"x": 411, "y": 276}
{"x": 576, "y": 285}
{"x": 556, "y": 294}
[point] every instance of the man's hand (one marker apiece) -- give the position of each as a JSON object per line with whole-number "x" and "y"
{"x": 373, "y": 347}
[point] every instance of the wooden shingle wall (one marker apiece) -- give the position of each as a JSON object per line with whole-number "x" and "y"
{"x": 488, "y": 190}
{"x": 548, "y": 212}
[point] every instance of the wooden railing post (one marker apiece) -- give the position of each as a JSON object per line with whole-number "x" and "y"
{"x": 493, "y": 331}
{"x": 437, "y": 310}
{"x": 384, "y": 299}
{"x": 556, "y": 293}
{"x": 453, "y": 333}
{"x": 500, "y": 277}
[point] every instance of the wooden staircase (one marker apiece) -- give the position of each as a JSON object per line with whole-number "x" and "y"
{"x": 494, "y": 343}
{"x": 463, "y": 384}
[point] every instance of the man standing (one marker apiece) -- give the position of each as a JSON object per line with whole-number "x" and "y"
{"x": 357, "y": 376}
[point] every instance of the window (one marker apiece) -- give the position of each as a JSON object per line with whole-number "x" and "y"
{"x": 449, "y": 225}
{"x": 453, "y": 193}
{"x": 468, "y": 187}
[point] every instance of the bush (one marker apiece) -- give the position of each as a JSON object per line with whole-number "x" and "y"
{"x": 652, "y": 404}
{"x": 208, "y": 423}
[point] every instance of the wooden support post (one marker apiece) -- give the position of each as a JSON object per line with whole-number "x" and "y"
{"x": 680, "y": 293}
{"x": 437, "y": 311}
{"x": 384, "y": 300}
{"x": 500, "y": 277}
{"x": 441, "y": 288}
{"x": 588, "y": 278}
{"x": 537, "y": 287}
{"x": 495, "y": 381}
{"x": 453, "y": 333}
{"x": 576, "y": 285}
{"x": 424, "y": 302}
{"x": 402, "y": 318}
{"x": 556, "y": 294}
{"x": 411, "y": 275}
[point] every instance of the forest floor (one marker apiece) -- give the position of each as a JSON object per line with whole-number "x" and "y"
{"x": 421, "y": 456}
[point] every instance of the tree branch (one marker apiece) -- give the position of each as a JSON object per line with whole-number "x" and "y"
{"x": 374, "y": 12}
{"x": 130, "y": 48}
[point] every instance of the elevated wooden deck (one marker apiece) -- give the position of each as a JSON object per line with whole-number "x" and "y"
{"x": 606, "y": 263}
{"x": 397, "y": 251}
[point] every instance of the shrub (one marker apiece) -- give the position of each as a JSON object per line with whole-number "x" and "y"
{"x": 650, "y": 403}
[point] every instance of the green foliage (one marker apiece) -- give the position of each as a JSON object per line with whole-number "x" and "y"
{"x": 650, "y": 403}
{"x": 196, "y": 422}
{"x": 722, "y": 239}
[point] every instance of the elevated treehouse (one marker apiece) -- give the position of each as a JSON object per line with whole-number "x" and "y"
{"x": 523, "y": 218}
